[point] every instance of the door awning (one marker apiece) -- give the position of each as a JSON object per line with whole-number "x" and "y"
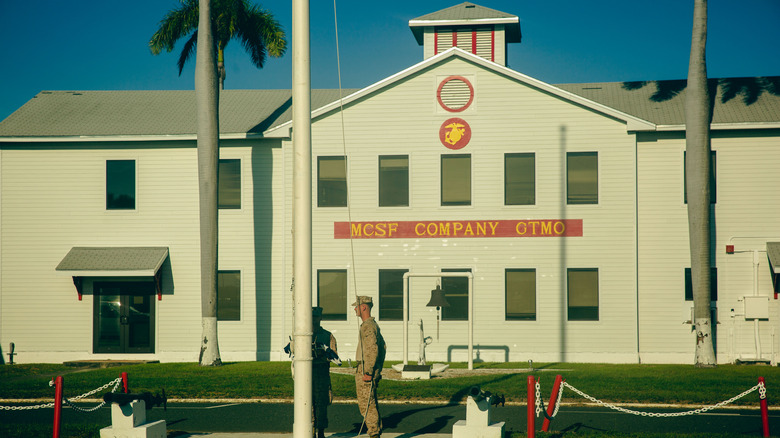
{"x": 773, "y": 254}
{"x": 113, "y": 261}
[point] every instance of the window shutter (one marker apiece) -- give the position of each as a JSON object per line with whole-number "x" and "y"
{"x": 485, "y": 43}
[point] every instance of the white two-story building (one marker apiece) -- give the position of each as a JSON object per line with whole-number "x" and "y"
{"x": 565, "y": 202}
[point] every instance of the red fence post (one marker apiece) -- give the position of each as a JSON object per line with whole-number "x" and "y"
{"x": 531, "y": 407}
{"x": 57, "y": 406}
{"x": 124, "y": 383}
{"x": 553, "y": 401}
{"x": 764, "y": 413}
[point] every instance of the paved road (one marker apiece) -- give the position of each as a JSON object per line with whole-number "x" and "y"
{"x": 408, "y": 420}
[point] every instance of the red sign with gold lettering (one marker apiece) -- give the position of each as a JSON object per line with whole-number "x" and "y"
{"x": 454, "y": 228}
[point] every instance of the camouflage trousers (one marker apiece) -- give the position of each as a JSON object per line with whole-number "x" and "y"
{"x": 321, "y": 396}
{"x": 367, "y": 401}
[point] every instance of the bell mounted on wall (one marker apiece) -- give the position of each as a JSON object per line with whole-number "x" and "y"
{"x": 438, "y": 301}
{"x": 437, "y": 298}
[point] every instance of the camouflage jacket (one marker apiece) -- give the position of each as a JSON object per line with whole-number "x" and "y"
{"x": 371, "y": 346}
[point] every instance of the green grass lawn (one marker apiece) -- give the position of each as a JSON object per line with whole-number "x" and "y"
{"x": 670, "y": 384}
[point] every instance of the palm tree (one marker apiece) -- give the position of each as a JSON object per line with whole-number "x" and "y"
{"x": 257, "y": 29}
{"x": 219, "y": 21}
{"x": 697, "y": 146}
{"x": 207, "y": 99}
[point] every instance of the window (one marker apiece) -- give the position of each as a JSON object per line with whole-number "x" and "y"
{"x": 583, "y": 294}
{"x": 582, "y": 178}
{"x": 229, "y": 185}
{"x": 519, "y": 179}
{"x": 228, "y": 296}
{"x": 120, "y": 185}
{"x": 456, "y": 179}
{"x": 456, "y": 291}
{"x": 520, "y": 295}
{"x": 331, "y": 182}
{"x": 332, "y": 294}
{"x": 391, "y": 294}
{"x": 713, "y": 284}
{"x": 713, "y": 186}
{"x": 394, "y": 181}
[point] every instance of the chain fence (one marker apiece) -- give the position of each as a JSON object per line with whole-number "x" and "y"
{"x": 114, "y": 382}
{"x": 760, "y": 387}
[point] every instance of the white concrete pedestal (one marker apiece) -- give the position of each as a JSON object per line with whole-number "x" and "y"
{"x": 477, "y": 422}
{"x": 129, "y": 421}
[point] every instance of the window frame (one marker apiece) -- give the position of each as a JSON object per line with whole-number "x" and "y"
{"x": 326, "y": 193}
{"x": 442, "y": 188}
{"x": 327, "y": 313}
{"x": 507, "y": 316}
{"x": 456, "y": 297}
{"x": 569, "y": 200}
{"x": 688, "y": 284}
{"x": 220, "y": 274}
{"x": 222, "y": 183}
{"x": 507, "y": 191}
{"x": 382, "y": 314}
{"x": 584, "y": 310}
{"x": 391, "y": 190}
{"x": 110, "y": 180}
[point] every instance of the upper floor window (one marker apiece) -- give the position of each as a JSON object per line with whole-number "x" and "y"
{"x": 228, "y": 296}
{"x": 229, "y": 185}
{"x": 332, "y": 182}
{"x": 520, "y": 298}
{"x": 713, "y": 284}
{"x": 394, "y": 181}
{"x": 391, "y": 294}
{"x": 456, "y": 292}
{"x": 519, "y": 179}
{"x": 120, "y": 184}
{"x": 332, "y": 294}
{"x": 456, "y": 179}
{"x": 582, "y": 178}
{"x": 713, "y": 186}
{"x": 583, "y": 294}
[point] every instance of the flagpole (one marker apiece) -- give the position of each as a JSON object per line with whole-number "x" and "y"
{"x": 302, "y": 201}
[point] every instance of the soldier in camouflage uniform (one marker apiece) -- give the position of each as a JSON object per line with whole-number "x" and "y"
{"x": 321, "y": 392}
{"x": 370, "y": 357}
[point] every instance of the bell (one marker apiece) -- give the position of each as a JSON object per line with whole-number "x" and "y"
{"x": 437, "y": 298}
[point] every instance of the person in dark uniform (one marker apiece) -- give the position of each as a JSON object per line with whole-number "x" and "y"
{"x": 321, "y": 392}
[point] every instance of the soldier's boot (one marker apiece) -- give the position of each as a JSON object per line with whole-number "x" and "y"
{"x": 320, "y": 433}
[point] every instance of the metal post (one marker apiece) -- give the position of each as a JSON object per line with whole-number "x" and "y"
{"x": 57, "y": 406}
{"x": 531, "y": 412}
{"x": 125, "y": 385}
{"x": 302, "y": 201}
{"x": 764, "y": 413}
{"x": 553, "y": 401}
{"x": 470, "y": 276}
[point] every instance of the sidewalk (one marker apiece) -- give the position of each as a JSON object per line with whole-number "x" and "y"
{"x": 328, "y": 435}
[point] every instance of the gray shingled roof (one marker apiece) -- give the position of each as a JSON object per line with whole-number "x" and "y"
{"x": 127, "y": 113}
{"x": 773, "y": 253}
{"x": 738, "y": 100}
{"x": 114, "y": 259}
{"x": 467, "y": 12}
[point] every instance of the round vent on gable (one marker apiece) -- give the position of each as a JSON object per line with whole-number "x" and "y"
{"x": 455, "y": 94}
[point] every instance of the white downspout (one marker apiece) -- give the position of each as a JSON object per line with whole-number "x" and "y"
{"x": 755, "y": 294}
{"x": 302, "y": 201}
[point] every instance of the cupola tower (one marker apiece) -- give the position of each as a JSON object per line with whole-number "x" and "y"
{"x": 473, "y": 28}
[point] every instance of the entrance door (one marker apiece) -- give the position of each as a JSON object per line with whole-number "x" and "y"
{"x": 123, "y": 317}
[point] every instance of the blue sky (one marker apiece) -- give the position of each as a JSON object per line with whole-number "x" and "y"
{"x": 103, "y": 45}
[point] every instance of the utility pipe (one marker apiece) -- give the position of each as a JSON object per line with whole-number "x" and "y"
{"x": 302, "y": 201}
{"x": 470, "y": 276}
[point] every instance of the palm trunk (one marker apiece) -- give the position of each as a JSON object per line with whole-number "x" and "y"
{"x": 697, "y": 145}
{"x": 207, "y": 98}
